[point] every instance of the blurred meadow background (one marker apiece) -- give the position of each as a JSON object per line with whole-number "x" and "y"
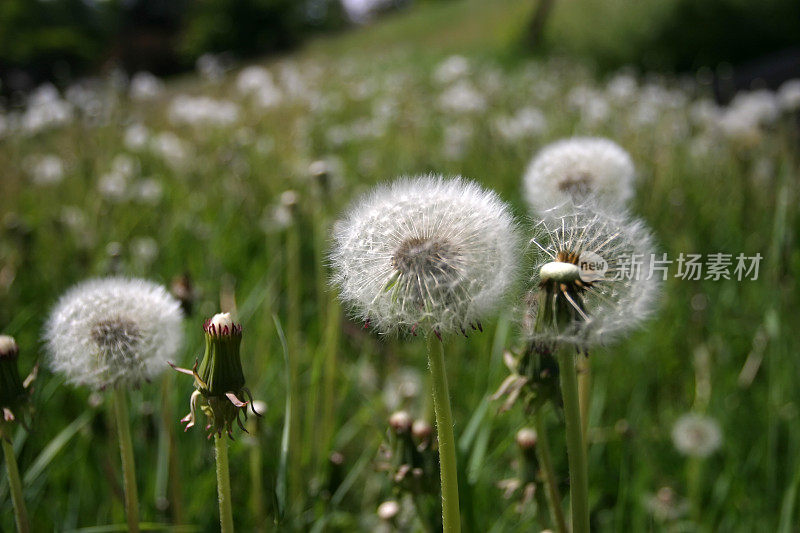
{"x": 231, "y": 173}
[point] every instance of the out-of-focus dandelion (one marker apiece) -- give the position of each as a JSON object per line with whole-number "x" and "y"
{"x": 115, "y": 332}
{"x": 578, "y": 169}
{"x": 145, "y": 86}
{"x": 696, "y": 435}
{"x": 202, "y": 110}
{"x": 665, "y": 505}
{"x": 46, "y": 169}
{"x": 789, "y": 95}
{"x": 462, "y": 97}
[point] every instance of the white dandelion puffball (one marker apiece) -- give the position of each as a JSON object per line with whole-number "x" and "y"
{"x": 426, "y": 251}
{"x": 696, "y": 435}
{"x": 592, "y": 276}
{"x": 578, "y": 168}
{"x": 109, "y": 331}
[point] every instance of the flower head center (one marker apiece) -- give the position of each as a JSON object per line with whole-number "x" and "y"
{"x": 117, "y": 338}
{"x": 576, "y": 185}
{"x": 426, "y": 258}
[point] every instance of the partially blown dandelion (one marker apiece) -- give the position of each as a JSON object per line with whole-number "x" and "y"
{"x": 593, "y": 283}
{"x": 105, "y": 332}
{"x": 578, "y": 169}
{"x": 425, "y": 252}
{"x": 592, "y": 276}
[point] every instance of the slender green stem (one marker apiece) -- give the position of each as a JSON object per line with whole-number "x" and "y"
{"x": 693, "y": 470}
{"x": 256, "y": 487}
{"x": 126, "y": 454}
{"x": 584, "y": 395}
{"x": 20, "y": 513}
{"x": 576, "y": 452}
{"x": 451, "y": 518}
{"x": 546, "y": 464}
{"x": 223, "y": 485}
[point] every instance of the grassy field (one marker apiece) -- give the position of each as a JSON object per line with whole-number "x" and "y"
{"x": 141, "y": 188}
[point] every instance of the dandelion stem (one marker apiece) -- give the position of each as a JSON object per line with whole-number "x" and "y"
{"x": 576, "y": 452}
{"x": 20, "y": 513}
{"x": 546, "y": 463}
{"x": 584, "y": 394}
{"x": 126, "y": 454}
{"x": 451, "y": 518}
{"x": 223, "y": 485}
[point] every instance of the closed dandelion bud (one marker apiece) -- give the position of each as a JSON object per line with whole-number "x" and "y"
{"x": 526, "y": 442}
{"x": 13, "y": 390}
{"x": 526, "y": 439}
{"x": 219, "y": 379}
{"x": 400, "y": 422}
{"x": 421, "y": 430}
{"x": 388, "y": 510}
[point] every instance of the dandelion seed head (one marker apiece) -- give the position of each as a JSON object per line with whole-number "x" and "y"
{"x": 430, "y": 252}
{"x": 696, "y": 435}
{"x": 578, "y": 168}
{"x": 591, "y": 275}
{"x": 110, "y": 331}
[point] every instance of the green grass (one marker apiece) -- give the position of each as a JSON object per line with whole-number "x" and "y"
{"x": 208, "y": 223}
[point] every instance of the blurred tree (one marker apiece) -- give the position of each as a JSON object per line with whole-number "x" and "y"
{"x": 246, "y": 27}
{"x": 709, "y": 32}
{"x": 52, "y": 39}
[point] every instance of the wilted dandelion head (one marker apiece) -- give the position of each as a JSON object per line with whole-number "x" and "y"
{"x": 110, "y": 331}
{"x": 591, "y": 276}
{"x": 696, "y": 435}
{"x": 425, "y": 252}
{"x": 576, "y": 169}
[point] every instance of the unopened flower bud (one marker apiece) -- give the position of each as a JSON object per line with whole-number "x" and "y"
{"x": 421, "y": 430}
{"x": 526, "y": 439}
{"x": 13, "y": 393}
{"x": 219, "y": 379}
{"x": 400, "y": 422}
{"x": 388, "y": 510}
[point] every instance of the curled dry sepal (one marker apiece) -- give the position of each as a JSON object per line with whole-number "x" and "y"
{"x": 219, "y": 379}
{"x": 14, "y": 392}
{"x": 533, "y": 379}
